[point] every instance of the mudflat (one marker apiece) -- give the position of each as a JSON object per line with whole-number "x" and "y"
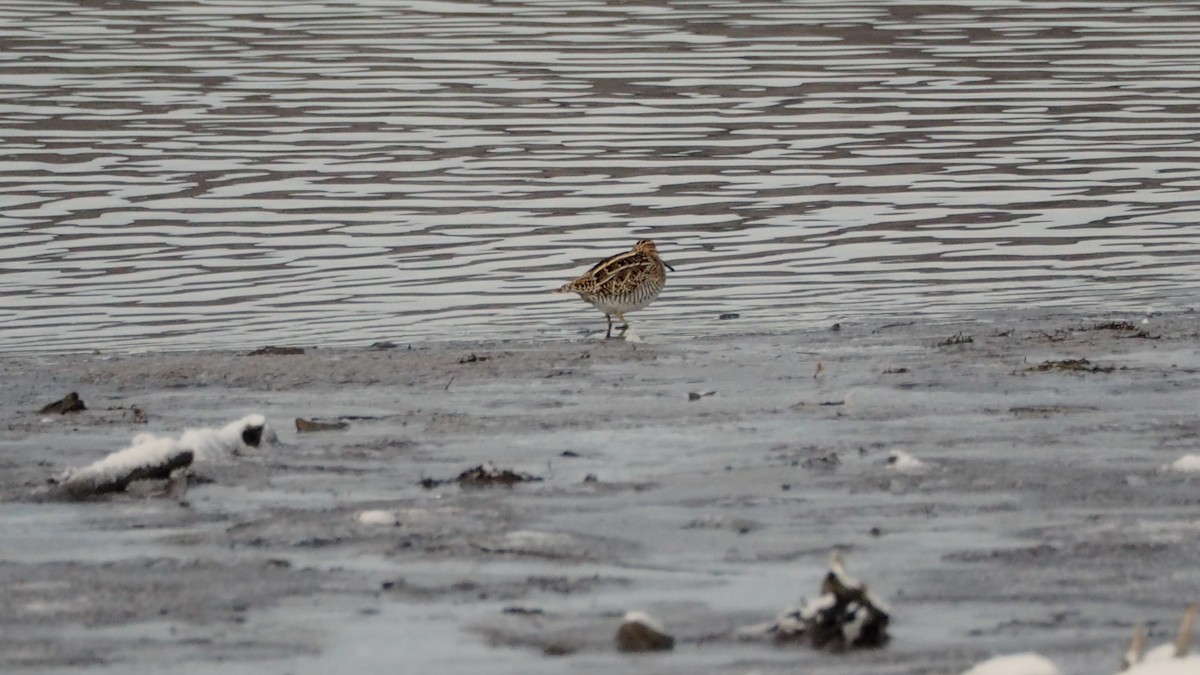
{"x": 1003, "y": 482}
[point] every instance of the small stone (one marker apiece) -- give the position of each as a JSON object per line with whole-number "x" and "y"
{"x": 640, "y": 633}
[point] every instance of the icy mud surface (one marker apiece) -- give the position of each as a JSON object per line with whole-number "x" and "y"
{"x": 1037, "y": 516}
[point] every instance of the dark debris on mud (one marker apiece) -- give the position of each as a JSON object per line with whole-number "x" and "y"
{"x": 271, "y": 350}
{"x": 845, "y": 616}
{"x": 1135, "y": 331}
{"x": 1080, "y": 365}
{"x": 484, "y": 475}
{"x": 958, "y": 339}
{"x": 1128, "y": 328}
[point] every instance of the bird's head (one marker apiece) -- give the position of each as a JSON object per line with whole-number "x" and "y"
{"x": 647, "y": 246}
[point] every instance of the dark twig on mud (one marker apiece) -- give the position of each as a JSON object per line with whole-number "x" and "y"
{"x": 890, "y": 325}
{"x": 272, "y": 350}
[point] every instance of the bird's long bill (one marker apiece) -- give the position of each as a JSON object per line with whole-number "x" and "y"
{"x": 668, "y": 265}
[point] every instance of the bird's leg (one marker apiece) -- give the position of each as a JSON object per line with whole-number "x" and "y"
{"x": 609, "y": 333}
{"x": 624, "y": 324}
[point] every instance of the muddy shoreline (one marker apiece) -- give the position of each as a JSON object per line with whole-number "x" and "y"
{"x": 703, "y": 480}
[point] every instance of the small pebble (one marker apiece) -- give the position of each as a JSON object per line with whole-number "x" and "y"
{"x": 640, "y": 633}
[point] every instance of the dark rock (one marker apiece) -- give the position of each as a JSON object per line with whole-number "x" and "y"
{"x": 67, "y": 404}
{"x": 640, "y": 633}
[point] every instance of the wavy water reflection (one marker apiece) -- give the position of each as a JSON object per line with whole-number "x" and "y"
{"x": 234, "y": 172}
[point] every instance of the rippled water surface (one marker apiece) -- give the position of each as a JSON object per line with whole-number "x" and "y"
{"x": 181, "y": 173}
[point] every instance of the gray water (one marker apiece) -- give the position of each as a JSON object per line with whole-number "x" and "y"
{"x": 181, "y": 173}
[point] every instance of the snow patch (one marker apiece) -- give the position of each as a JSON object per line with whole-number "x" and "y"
{"x": 1015, "y": 664}
{"x": 1185, "y": 464}
{"x": 645, "y": 620}
{"x": 901, "y": 461}
{"x": 147, "y": 450}
{"x": 378, "y": 517}
{"x": 1189, "y": 665}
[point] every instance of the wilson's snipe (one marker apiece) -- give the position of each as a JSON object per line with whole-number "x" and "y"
{"x": 622, "y": 283}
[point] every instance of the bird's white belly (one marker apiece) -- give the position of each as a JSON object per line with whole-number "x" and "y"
{"x": 613, "y": 308}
